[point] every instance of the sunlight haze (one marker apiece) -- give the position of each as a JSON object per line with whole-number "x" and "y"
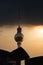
{"x": 32, "y": 43}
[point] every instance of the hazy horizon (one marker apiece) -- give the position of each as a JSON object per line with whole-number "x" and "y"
{"x": 32, "y": 43}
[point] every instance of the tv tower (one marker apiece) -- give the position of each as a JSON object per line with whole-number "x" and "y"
{"x": 20, "y": 53}
{"x": 19, "y": 36}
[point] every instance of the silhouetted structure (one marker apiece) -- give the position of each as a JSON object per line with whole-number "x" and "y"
{"x": 18, "y": 55}
{"x": 19, "y": 36}
{"x": 11, "y": 58}
{"x": 35, "y": 61}
{"x": 3, "y": 57}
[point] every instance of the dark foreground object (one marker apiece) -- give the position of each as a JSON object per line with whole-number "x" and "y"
{"x": 11, "y": 58}
{"x": 35, "y": 61}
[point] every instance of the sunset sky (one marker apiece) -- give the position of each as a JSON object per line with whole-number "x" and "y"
{"x": 29, "y": 14}
{"x": 32, "y": 43}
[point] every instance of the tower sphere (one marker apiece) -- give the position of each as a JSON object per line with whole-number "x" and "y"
{"x": 19, "y": 36}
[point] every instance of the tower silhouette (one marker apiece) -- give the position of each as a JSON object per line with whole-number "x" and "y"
{"x": 19, "y": 36}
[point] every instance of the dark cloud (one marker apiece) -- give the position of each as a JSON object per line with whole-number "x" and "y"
{"x": 31, "y": 12}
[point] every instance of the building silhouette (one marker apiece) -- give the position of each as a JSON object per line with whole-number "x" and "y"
{"x": 17, "y": 56}
{"x": 3, "y": 57}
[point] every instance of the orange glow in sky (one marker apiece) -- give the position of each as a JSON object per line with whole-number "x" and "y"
{"x": 33, "y": 39}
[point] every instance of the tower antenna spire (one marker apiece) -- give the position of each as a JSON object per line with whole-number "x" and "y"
{"x": 19, "y": 16}
{"x": 19, "y": 36}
